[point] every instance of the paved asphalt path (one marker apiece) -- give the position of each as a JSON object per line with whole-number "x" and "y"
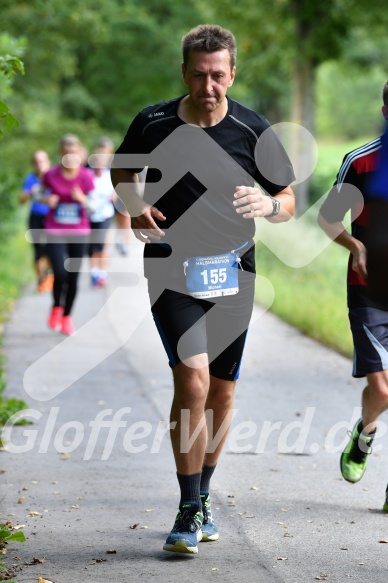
{"x": 97, "y": 505}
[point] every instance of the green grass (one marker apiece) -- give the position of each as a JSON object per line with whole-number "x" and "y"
{"x": 15, "y": 271}
{"x": 311, "y": 298}
{"x": 15, "y": 267}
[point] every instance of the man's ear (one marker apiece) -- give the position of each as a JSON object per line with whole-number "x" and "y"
{"x": 384, "y": 109}
{"x": 183, "y": 69}
{"x": 232, "y": 75}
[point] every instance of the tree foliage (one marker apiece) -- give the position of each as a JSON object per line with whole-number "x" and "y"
{"x": 91, "y": 65}
{"x": 10, "y": 63}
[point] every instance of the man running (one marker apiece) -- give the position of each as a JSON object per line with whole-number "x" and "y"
{"x": 199, "y": 252}
{"x": 355, "y": 189}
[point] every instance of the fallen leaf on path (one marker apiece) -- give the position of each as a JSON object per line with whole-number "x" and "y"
{"x": 322, "y": 577}
{"x": 383, "y": 540}
{"x": 65, "y": 456}
{"x": 134, "y": 525}
{"x": 254, "y": 488}
{"x": 41, "y": 580}
{"x": 111, "y": 552}
{"x": 215, "y": 569}
{"x": 36, "y": 561}
{"x": 282, "y": 559}
{"x": 20, "y": 501}
{"x": 33, "y": 513}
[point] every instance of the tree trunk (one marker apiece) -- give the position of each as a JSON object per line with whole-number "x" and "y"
{"x": 302, "y": 114}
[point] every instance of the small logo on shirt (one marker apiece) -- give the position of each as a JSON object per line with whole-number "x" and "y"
{"x": 156, "y": 114}
{"x": 233, "y": 368}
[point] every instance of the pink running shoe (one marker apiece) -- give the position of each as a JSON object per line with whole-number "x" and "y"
{"x": 67, "y": 326}
{"x": 55, "y": 318}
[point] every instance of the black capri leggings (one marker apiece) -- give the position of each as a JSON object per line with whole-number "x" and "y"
{"x": 65, "y": 282}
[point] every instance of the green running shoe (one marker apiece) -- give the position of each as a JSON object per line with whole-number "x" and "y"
{"x": 209, "y": 529}
{"x": 186, "y": 532}
{"x": 385, "y": 507}
{"x": 355, "y": 456}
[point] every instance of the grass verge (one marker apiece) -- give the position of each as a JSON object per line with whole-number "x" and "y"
{"x": 308, "y": 276}
{"x": 15, "y": 271}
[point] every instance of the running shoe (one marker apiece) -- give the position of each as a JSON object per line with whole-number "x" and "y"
{"x": 46, "y": 283}
{"x": 355, "y": 456}
{"x": 94, "y": 279}
{"x": 67, "y": 326}
{"x": 55, "y": 318}
{"x": 49, "y": 282}
{"x": 385, "y": 507}
{"x": 186, "y": 532}
{"x": 41, "y": 285}
{"x": 209, "y": 529}
{"x": 122, "y": 248}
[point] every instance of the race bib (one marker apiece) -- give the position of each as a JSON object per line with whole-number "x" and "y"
{"x": 68, "y": 213}
{"x": 212, "y": 276}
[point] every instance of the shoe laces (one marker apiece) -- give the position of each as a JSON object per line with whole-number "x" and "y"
{"x": 206, "y": 511}
{"x": 356, "y": 454}
{"x": 187, "y": 522}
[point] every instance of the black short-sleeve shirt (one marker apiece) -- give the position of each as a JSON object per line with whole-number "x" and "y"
{"x": 209, "y": 162}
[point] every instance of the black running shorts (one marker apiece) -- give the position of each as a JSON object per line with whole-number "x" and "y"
{"x": 218, "y": 327}
{"x": 370, "y": 338}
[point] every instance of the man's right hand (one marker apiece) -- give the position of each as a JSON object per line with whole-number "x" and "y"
{"x": 359, "y": 260}
{"x": 144, "y": 227}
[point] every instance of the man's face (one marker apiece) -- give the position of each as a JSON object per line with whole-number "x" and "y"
{"x": 41, "y": 162}
{"x": 208, "y": 76}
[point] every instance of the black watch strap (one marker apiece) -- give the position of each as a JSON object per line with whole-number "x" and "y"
{"x": 276, "y": 207}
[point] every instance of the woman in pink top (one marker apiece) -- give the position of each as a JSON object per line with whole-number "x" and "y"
{"x": 68, "y": 228}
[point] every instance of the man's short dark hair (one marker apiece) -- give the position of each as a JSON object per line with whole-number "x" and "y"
{"x": 385, "y": 94}
{"x": 209, "y": 38}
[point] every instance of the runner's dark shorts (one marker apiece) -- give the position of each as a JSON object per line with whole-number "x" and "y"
{"x": 99, "y": 231}
{"x": 36, "y": 224}
{"x": 369, "y": 327}
{"x": 190, "y": 326}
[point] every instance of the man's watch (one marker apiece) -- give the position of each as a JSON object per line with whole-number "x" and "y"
{"x": 275, "y": 209}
